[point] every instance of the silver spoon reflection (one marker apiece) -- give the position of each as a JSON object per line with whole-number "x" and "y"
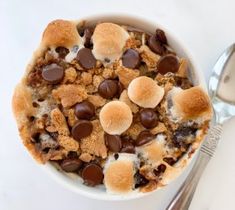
{"x": 222, "y": 93}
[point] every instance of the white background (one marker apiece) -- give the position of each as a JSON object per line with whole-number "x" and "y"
{"x": 205, "y": 27}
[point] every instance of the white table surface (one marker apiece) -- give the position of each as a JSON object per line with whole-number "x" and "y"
{"x": 206, "y": 28}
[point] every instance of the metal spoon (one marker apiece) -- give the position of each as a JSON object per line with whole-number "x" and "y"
{"x": 222, "y": 93}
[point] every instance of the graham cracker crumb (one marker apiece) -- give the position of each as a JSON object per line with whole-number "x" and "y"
{"x": 108, "y": 73}
{"x": 149, "y": 57}
{"x": 71, "y": 117}
{"x": 97, "y": 79}
{"x": 91, "y": 89}
{"x": 86, "y": 78}
{"x": 96, "y": 100}
{"x": 69, "y": 95}
{"x": 39, "y": 123}
{"x": 124, "y": 98}
{"x": 152, "y": 185}
{"x": 183, "y": 68}
{"x": 76, "y": 65}
{"x": 160, "y": 128}
{"x": 132, "y": 42}
{"x": 68, "y": 143}
{"x": 147, "y": 172}
{"x": 168, "y": 86}
{"x": 56, "y": 154}
{"x": 70, "y": 75}
{"x": 59, "y": 122}
{"x": 134, "y": 130}
{"x": 51, "y": 129}
{"x": 126, "y": 75}
{"x": 86, "y": 157}
{"x": 94, "y": 144}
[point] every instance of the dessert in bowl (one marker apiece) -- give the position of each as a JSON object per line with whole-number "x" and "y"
{"x": 113, "y": 107}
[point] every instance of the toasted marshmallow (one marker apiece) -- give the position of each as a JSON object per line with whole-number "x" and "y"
{"x": 108, "y": 41}
{"x": 115, "y": 117}
{"x": 119, "y": 174}
{"x": 153, "y": 152}
{"x": 190, "y": 104}
{"x": 61, "y": 33}
{"x": 145, "y": 92}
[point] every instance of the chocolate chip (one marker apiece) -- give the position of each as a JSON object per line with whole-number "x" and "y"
{"x": 144, "y": 137}
{"x": 35, "y": 138}
{"x": 86, "y": 59}
{"x": 62, "y": 51}
{"x": 108, "y": 88}
{"x": 107, "y": 60}
{"x": 160, "y": 35}
{"x": 72, "y": 154}
{"x": 181, "y": 133}
{"x": 31, "y": 118}
{"x": 156, "y": 45}
{"x": 113, "y": 142}
{"x": 131, "y": 59}
{"x": 127, "y": 145}
{"x": 116, "y": 156}
{"x": 168, "y": 63}
{"x": 171, "y": 161}
{"x": 81, "y": 129}
{"x": 120, "y": 88}
{"x": 140, "y": 180}
{"x": 71, "y": 164}
{"x": 85, "y": 110}
{"x": 35, "y": 104}
{"x": 128, "y": 148}
{"x": 148, "y": 118}
{"x": 53, "y": 73}
{"x": 92, "y": 174}
{"x": 160, "y": 169}
{"x": 87, "y": 37}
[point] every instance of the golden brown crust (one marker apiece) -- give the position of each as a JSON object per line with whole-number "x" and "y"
{"x": 193, "y": 103}
{"x": 23, "y": 109}
{"x": 61, "y": 33}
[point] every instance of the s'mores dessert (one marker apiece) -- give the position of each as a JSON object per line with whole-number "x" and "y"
{"x": 112, "y": 104}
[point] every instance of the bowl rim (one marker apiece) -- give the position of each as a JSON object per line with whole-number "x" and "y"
{"x": 115, "y": 17}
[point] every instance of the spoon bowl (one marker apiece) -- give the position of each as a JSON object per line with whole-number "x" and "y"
{"x": 222, "y": 85}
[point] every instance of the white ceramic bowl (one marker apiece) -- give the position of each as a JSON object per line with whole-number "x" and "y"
{"x": 73, "y": 182}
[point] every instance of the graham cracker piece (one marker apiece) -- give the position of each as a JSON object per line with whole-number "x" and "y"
{"x": 85, "y": 157}
{"x": 160, "y": 128}
{"x": 68, "y": 143}
{"x": 69, "y": 95}
{"x": 124, "y": 98}
{"x": 59, "y": 122}
{"x": 149, "y": 57}
{"x": 96, "y": 100}
{"x": 70, "y": 75}
{"x": 94, "y": 144}
{"x": 86, "y": 78}
{"x": 126, "y": 75}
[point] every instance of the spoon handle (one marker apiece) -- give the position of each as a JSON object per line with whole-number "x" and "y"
{"x": 183, "y": 198}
